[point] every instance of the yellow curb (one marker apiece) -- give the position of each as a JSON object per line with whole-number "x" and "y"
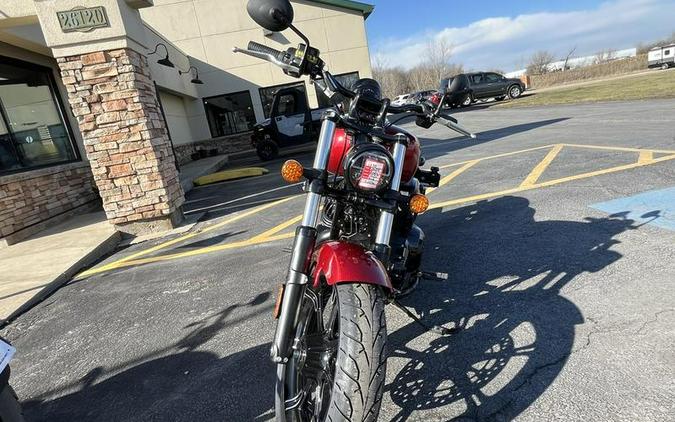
{"x": 225, "y": 175}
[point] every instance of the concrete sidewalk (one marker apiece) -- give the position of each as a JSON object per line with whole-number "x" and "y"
{"x": 32, "y": 269}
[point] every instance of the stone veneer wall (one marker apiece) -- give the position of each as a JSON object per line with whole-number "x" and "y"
{"x": 113, "y": 98}
{"x": 32, "y": 197}
{"x": 224, "y": 145}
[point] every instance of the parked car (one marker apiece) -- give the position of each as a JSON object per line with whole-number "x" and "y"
{"x": 484, "y": 85}
{"x": 291, "y": 123}
{"x": 457, "y": 98}
{"x": 401, "y": 99}
{"x": 420, "y": 96}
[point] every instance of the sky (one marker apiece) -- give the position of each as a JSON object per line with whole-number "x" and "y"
{"x": 492, "y": 34}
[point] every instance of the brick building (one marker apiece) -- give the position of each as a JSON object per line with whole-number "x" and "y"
{"x": 100, "y": 99}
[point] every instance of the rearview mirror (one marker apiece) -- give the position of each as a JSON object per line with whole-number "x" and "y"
{"x": 443, "y": 88}
{"x": 456, "y": 84}
{"x": 273, "y": 15}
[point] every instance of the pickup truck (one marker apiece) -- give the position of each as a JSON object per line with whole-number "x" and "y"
{"x": 291, "y": 123}
{"x": 484, "y": 85}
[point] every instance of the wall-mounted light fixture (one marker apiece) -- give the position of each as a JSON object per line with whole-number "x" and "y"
{"x": 165, "y": 61}
{"x": 195, "y": 79}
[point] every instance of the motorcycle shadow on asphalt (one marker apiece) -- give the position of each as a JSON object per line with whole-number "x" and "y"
{"x": 433, "y": 148}
{"x": 516, "y": 331}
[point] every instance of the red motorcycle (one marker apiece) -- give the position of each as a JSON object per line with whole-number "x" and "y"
{"x": 357, "y": 246}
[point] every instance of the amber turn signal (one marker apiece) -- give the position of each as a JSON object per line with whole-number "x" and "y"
{"x": 292, "y": 171}
{"x": 419, "y": 203}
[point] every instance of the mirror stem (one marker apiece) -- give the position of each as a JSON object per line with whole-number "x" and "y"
{"x": 300, "y": 34}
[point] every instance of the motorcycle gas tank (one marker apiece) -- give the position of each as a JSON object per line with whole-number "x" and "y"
{"x": 342, "y": 142}
{"x": 412, "y": 153}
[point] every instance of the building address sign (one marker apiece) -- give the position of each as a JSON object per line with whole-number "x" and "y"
{"x": 83, "y": 19}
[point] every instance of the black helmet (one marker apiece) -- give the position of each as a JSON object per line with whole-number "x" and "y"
{"x": 368, "y": 88}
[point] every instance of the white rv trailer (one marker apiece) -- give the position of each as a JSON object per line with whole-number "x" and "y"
{"x": 663, "y": 57}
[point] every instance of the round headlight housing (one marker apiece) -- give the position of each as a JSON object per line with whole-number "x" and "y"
{"x": 369, "y": 168}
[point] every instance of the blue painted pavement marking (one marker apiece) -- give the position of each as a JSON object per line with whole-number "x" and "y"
{"x": 655, "y": 207}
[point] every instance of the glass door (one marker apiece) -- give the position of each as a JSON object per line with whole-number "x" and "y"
{"x": 32, "y": 131}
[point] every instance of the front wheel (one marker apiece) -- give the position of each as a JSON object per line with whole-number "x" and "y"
{"x": 339, "y": 361}
{"x": 267, "y": 150}
{"x": 467, "y": 101}
{"x": 514, "y": 92}
{"x": 10, "y": 409}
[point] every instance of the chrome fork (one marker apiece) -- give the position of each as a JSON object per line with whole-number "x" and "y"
{"x": 386, "y": 221}
{"x": 305, "y": 236}
{"x": 297, "y": 278}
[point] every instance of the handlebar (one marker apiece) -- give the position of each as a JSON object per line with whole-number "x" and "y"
{"x": 254, "y": 46}
{"x": 414, "y": 108}
{"x": 327, "y": 83}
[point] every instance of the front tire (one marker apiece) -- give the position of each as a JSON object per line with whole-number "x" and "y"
{"x": 514, "y": 92}
{"x": 467, "y": 101}
{"x": 10, "y": 409}
{"x": 267, "y": 150}
{"x": 340, "y": 378}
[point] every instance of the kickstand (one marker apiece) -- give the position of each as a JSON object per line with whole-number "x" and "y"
{"x": 438, "y": 329}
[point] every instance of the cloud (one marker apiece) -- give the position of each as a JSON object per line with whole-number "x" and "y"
{"x": 507, "y": 42}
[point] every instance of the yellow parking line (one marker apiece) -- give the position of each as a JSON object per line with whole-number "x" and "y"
{"x": 536, "y": 172}
{"x": 179, "y": 239}
{"x": 270, "y": 235}
{"x": 200, "y": 251}
{"x": 547, "y": 183}
{"x": 490, "y": 157}
{"x": 266, "y": 234}
{"x": 626, "y": 149}
{"x": 646, "y": 157}
{"x": 454, "y": 174}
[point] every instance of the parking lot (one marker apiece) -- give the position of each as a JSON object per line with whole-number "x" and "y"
{"x": 556, "y": 227}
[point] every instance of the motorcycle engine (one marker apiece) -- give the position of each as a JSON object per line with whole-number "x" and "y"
{"x": 355, "y": 225}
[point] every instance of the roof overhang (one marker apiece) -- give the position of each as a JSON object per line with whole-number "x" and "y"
{"x": 365, "y": 9}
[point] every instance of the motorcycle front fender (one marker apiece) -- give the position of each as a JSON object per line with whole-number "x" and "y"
{"x": 343, "y": 262}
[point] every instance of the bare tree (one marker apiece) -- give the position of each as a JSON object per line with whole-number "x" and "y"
{"x": 539, "y": 62}
{"x": 425, "y": 76}
{"x": 393, "y": 80}
{"x": 435, "y": 66}
{"x": 643, "y": 48}
{"x": 567, "y": 58}
{"x": 604, "y": 56}
{"x": 438, "y": 54}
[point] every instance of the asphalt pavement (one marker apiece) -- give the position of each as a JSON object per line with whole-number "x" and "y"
{"x": 566, "y": 311}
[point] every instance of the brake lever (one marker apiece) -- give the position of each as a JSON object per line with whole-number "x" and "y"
{"x": 456, "y": 127}
{"x": 264, "y": 56}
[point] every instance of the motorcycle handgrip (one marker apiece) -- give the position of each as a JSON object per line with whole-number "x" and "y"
{"x": 254, "y": 46}
{"x": 415, "y": 108}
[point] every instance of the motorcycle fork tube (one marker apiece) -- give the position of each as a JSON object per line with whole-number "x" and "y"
{"x": 384, "y": 226}
{"x": 303, "y": 247}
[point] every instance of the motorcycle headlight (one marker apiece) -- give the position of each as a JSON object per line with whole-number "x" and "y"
{"x": 369, "y": 168}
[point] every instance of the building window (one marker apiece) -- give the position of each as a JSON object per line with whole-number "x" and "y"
{"x": 267, "y": 94}
{"x": 230, "y": 113}
{"x": 32, "y": 129}
{"x": 346, "y": 79}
